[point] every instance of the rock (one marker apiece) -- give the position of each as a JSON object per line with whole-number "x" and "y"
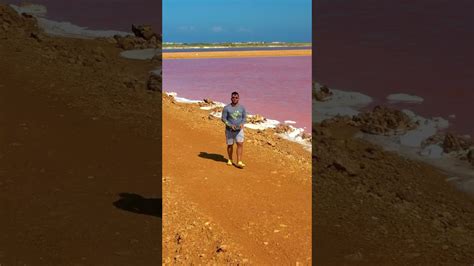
{"x": 98, "y": 51}
{"x": 126, "y": 43}
{"x": 345, "y": 166}
{"x": 282, "y": 128}
{"x": 144, "y": 31}
{"x": 217, "y": 109}
{"x": 433, "y": 140}
{"x": 256, "y": 119}
{"x": 451, "y": 143}
{"x": 131, "y": 83}
{"x": 306, "y": 136}
{"x": 338, "y": 165}
{"x": 154, "y": 82}
{"x": 208, "y": 101}
{"x": 455, "y": 143}
{"x": 221, "y": 248}
{"x": 26, "y": 15}
{"x": 470, "y": 156}
{"x": 157, "y": 58}
{"x": 179, "y": 239}
{"x": 384, "y": 121}
{"x": 271, "y": 143}
{"x": 12, "y": 23}
{"x": 144, "y": 38}
{"x": 111, "y": 40}
{"x": 98, "y": 54}
{"x": 38, "y": 37}
{"x": 321, "y": 92}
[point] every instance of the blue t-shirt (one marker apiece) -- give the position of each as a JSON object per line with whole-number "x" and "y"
{"x": 234, "y": 116}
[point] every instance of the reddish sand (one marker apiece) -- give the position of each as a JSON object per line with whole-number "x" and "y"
{"x": 261, "y": 213}
{"x": 79, "y": 169}
{"x": 231, "y": 54}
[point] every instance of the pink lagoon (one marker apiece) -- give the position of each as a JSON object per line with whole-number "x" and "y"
{"x": 276, "y": 87}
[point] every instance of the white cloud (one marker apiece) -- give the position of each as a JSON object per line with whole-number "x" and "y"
{"x": 242, "y": 29}
{"x": 186, "y": 28}
{"x": 217, "y": 29}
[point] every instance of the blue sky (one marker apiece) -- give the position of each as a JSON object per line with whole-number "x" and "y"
{"x": 236, "y": 20}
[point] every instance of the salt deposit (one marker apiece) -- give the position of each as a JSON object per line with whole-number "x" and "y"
{"x": 294, "y": 134}
{"x": 141, "y": 54}
{"x": 63, "y": 29}
{"x": 32, "y": 9}
{"x": 406, "y": 98}
{"x": 67, "y": 29}
{"x": 340, "y": 103}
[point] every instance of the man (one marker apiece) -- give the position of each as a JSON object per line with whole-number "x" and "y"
{"x": 234, "y": 117}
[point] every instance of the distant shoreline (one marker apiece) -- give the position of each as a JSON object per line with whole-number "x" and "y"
{"x": 169, "y": 45}
{"x": 235, "y": 54}
{"x": 216, "y": 49}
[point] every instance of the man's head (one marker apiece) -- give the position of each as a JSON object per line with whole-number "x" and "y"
{"x": 234, "y": 98}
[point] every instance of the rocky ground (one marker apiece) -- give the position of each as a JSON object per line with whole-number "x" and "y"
{"x": 221, "y": 214}
{"x": 377, "y": 208}
{"x": 80, "y": 151}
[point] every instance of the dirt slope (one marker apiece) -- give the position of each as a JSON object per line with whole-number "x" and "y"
{"x": 79, "y": 184}
{"x": 374, "y": 207}
{"x": 261, "y": 214}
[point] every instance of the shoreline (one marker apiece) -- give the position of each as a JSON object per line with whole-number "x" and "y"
{"x": 175, "y": 45}
{"x": 238, "y": 47}
{"x": 408, "y": 145}
{"x": 292, "y": 134}
{"x": 236, "y": 54}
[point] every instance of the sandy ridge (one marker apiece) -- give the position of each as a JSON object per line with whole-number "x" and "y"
{"x": 265, "y": 208}
{"x": 234, "y": 54}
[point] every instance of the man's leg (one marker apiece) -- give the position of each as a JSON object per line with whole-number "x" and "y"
{"x": 240, "y": 148}
{"x": 230, "y": 149}
{"x": 230, "y": 145}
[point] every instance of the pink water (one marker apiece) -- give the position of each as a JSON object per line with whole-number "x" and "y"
{"x": 275, "y": 87}
{"x": 423, "y": 47}
{"x": 103, "y": 14}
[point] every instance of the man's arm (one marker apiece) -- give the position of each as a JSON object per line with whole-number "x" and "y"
{"x": 224, "y": 117}
{"x": 244, "y": 118}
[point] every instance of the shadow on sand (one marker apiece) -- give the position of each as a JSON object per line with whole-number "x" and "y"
{"x": 216, "y": 157}
{"x": 138, "y": 204}
{"x": 213, "y": 156}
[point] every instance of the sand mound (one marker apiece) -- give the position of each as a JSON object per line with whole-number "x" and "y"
{"x": 89, "y": 110}
{"x": 154, "y": 82}
{"x": 470, "y": 156}
{"x": 321, "y": 93}
{"x": 384, "y": 121}
{"x": 13, "y": 24}
{"x": 378, "y": 203}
